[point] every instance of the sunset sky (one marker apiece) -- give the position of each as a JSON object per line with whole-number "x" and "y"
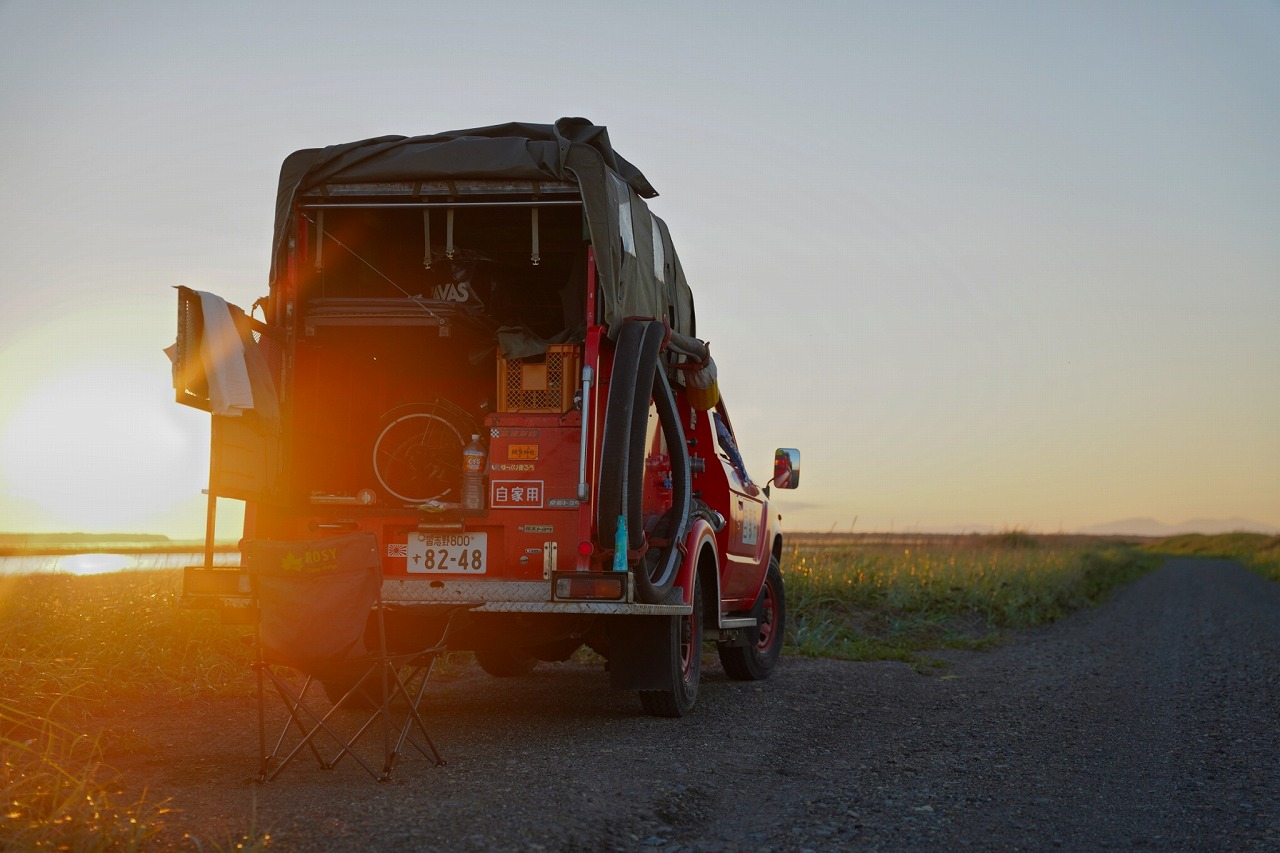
{"x": 1004, "y": 264}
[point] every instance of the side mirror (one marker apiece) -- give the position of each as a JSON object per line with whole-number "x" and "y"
{"x": 786, "y": 468}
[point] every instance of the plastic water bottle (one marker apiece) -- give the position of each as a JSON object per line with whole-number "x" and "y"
{"x": 620, "y": 544}
{"x": 473, "y": 464}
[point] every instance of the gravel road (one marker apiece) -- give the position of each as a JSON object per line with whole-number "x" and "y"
{"x": 1151, "y": 722}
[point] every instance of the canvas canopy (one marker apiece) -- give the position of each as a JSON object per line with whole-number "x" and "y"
{"x": 640, "y": 274}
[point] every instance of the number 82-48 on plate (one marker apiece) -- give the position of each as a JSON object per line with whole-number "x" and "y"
{"x": 458, "y": 553}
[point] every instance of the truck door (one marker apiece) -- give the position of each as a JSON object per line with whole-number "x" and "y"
{"x": 745, "y": 563}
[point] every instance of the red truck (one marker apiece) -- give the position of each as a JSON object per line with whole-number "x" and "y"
{"x": 480, "y": 346}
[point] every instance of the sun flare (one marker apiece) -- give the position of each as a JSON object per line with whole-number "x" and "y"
{"x": 99, "y": 449}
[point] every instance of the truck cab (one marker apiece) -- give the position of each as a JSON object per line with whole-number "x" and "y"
{"x": 480, "y": 346}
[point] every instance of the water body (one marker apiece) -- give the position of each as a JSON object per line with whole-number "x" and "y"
{"x": 102, "y": 563}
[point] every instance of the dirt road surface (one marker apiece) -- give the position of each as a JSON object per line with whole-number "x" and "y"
{"x": 1152, "y": 722}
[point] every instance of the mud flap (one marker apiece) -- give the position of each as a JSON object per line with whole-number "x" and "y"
{"x": 639, "y": 657}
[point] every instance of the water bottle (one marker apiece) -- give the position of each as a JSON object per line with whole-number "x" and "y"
{"x": 473, "y": 463}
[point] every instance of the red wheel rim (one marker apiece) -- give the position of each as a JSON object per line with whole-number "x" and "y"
{"x": 687, "y": 650}
{"x": 767, "y": 605}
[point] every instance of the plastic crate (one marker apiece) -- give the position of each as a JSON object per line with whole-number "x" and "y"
{"x": 544, "y": 383}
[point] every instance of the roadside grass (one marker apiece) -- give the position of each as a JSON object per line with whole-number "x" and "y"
{"x": 69, "y": 648}
{"x": 1258, "y": 551}
{"x": 868, "y": 599}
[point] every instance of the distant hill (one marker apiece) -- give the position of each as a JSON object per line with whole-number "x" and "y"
{"x": 27, "y": 540}
{"x": 1152, "y": 527}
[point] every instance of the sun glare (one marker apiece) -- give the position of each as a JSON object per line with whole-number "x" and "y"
{"x": 94, "y": 564}
{"x": 100, "y": 449}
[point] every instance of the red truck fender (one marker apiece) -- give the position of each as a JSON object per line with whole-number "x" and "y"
{"x": 699, "y": 545}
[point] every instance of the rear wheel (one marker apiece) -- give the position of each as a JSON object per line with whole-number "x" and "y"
{"x": 505, "y": 662}
{"x": 756, "y": 659}
{"x": 684, "y": 656}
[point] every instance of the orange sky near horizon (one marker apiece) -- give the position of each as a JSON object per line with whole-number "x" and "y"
{"x": 987, "y": 266}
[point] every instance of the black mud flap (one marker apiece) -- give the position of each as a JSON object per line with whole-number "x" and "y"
{"x": 639, "y": 657}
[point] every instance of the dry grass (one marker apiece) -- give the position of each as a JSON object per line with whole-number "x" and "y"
{"x": 892, "y": 597}
{"x": 1258, "y": 551}
{"x": 71, "y": 647}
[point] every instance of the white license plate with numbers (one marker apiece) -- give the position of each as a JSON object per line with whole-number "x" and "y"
{"x": 453, "y": 553}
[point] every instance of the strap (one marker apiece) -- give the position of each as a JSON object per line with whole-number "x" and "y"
{"x": 695, "y": 365}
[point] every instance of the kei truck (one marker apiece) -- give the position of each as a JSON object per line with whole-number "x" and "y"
{"x": 480, "y": 346}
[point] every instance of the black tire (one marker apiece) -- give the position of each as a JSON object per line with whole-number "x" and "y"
{"x": 756, "y": 659}
{"x": 684, "y": 657}
{"x": 505, "y": 662}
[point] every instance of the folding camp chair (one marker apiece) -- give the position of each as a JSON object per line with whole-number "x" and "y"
{"x": 315, "y": 600}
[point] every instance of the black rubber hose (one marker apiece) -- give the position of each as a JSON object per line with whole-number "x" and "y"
{"x": 615, "y": 443}
{"x": 646, "y": 367}
{"x": 656, "y": 574}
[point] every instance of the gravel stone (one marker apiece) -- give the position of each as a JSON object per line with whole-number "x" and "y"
{"x": 1149, "y": 722}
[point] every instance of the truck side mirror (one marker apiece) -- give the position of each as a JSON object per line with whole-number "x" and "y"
{"x": 786, "y": 468}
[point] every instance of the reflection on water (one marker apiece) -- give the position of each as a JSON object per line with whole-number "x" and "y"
{"x": 96, "y": 564}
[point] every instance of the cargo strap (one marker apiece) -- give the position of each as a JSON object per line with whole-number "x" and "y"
{"x": 695, "y": 365}
{"x": 635, "y": 555}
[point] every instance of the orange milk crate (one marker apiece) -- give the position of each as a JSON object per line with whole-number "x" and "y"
{"x": 540, "y": 383}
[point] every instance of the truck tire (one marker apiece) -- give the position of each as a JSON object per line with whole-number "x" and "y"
{"x": 684, "y": 659}
{"x": 756, "y": 659}
{"x": 505, "y": 662}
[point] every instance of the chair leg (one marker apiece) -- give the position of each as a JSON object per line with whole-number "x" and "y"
{"x": 348, "y": 746}
{"x": 413, "y": 717}
{"x": 264, "y": 760}
{"x": 294, "y": 702}
{"x": 391, "y": 687}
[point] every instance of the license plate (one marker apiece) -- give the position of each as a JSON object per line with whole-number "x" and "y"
{"x": 452, "y": 553}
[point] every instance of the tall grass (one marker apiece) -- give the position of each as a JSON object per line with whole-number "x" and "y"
{"x": 69, "y": 648}
{"x": 58, "y": 795}
{"x": 1258, "y": 551}
{"x": 862, "y": 599}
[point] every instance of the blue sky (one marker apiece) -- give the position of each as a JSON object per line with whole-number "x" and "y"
{"x": 985, "y": 264}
